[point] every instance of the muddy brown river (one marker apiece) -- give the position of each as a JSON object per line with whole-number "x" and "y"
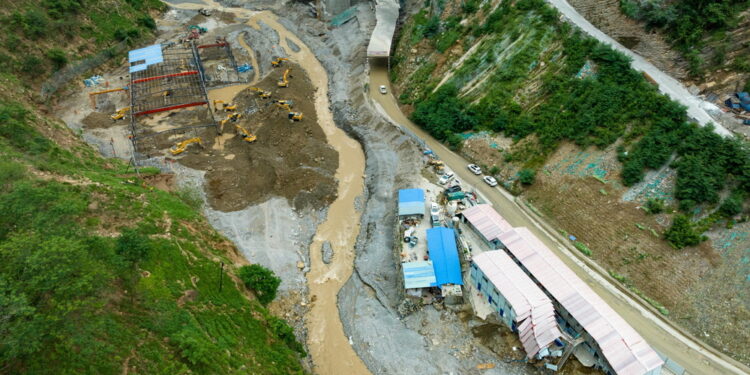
{"x": 329, "y": 347}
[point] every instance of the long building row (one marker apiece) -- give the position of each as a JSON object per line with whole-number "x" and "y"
{"x": 539, "y": 297}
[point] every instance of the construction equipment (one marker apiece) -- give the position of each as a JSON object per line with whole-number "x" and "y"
{"x": 284, "y": 102}
{"x": 181, "y": 146}
{"x": 246, "y": 136}
{"x": 201, "y": 30}
{"x": 262, "y": 93}
{"x": 93, "y": 95}
{"x": 295, "y": 116}
{"x": 437, "y": 165}
{"x": 233, "y": 118}
{"x": 276, "y": 63}
{"x": 225, "y": 106}
{"x": 120, "y": 113}
{"x": 284, "y": 82}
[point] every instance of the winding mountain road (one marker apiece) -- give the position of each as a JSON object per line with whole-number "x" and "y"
{"x": 669, "y": 340}
{"x": 696, "y": 108}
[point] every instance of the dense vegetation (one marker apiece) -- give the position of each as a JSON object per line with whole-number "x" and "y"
{"x": 98, "y": 271}
{"x": 38, "y": 37}
{"x": 585, "y": 93}
{"x": 688, "y": 23}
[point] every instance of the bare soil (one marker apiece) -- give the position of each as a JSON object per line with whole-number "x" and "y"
{"x": 289, "y": 159}
{"x": 99, "y": 120}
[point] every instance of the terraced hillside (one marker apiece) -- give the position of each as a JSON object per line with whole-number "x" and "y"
{"x": 588, "y": 142}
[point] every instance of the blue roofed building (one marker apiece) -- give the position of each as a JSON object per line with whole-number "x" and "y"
{"x": 411, "y": 202}
{"x": 419, "y": 274}
{"x": 443, "y": 252}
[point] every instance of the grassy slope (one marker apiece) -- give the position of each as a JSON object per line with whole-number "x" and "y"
{"x": 93, "y": 262}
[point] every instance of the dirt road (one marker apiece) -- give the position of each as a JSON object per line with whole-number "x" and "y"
{"x": 696, "y": 107}
{"x": 693, "y": 355}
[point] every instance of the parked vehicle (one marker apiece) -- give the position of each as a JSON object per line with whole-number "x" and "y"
{"x": 453, "y": 189}
{"x": 490, "y": 180}
{"x": 383, "y": 90}
{"x": 447, "y": 177}
{"x": 475, "y": 169}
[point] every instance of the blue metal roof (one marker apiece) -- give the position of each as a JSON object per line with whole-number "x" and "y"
{"x": 419, "y": 274}
{"x": 140, "y": 59}
{"x": 410, "y": 195}
{"x": 441, "y": 243}
{"x": 411, "y": 202}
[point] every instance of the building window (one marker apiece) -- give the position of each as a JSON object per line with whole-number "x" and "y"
{"x": 502, "y": 313}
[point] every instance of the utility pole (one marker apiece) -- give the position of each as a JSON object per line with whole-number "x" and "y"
{"x": 221, "y": 276}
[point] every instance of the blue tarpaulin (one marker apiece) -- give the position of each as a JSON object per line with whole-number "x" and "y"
{"x": 140, "y": 59}
{"x": 419, "y": 274}
{"x": 411, "y": 202}
{"x": 441, "y": 243}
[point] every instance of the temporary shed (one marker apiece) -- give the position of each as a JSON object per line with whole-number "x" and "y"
{"x": 487, "y": 222}
{"x": 625, "y": 351}
{"x": 140, "y": 59}
{"x": 411, "y": 202}
{"x": 520, "y": 302}
{"x": 419, "y": 274}
{"x": 441, "y": 244}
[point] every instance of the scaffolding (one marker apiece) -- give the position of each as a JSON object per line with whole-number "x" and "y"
{"x": 166, "y": 78}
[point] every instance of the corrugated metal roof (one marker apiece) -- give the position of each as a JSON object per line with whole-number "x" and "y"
{"x": 411, "y": 195}
{"x": 487, "y": 221}
{"x": 141, "y": 58}
{"x": 534, "y": 310}
{"x": 419, "y": 274}
{"x": 441, "y": 243}
{"x": 411, "y": 202}
{"x": 625, "y": 350}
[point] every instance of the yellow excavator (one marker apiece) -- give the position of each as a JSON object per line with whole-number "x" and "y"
{"x": 233, "y": 118}
{"x": 284, "y": 82}
{"x": 437, "y": 165}
{"x": 276, "y": 63}
{"x": 283, "y": 102}
{"x": 262, "y": 93}
{"x": 227, "y": 107}
{"x": 295, "y": 116}
{"x": 181, "y": 146}
{"x": 120, "y": 113}
{"x": 246, "y": 135}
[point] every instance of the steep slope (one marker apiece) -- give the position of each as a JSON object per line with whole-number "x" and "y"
{"x": 103, "y": 271}
{"x": 589, "y": 143}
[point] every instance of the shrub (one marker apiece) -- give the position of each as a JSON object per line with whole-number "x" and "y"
{"x": 654, "y": 206}
{"x": 527, "y": 176}
{"x": 732, "y": 205}
{"x": 682, "y": 233}
{"x": 147, "y": 22}
{"x": 494, "y": 170}
{"x": 58, "y": 57}
{"x": 583, "y": 248}
{"x": 32, "y": 65}
{"x": 132, "y": 245}
{"x": 260, "y": 280}
{"x": 286, "y": 334}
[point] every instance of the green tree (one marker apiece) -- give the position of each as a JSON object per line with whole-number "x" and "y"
{"x": 261, "y": 280}
{"x": 732, "y": 205}
{"x": 655, "y": 206}
{"x": 682, "y": 233}
{"x": 58, "y": 58}
{"x": 527, "y": 176}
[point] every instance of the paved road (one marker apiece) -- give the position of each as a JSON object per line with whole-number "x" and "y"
{"x": 693, "y": 355}
{"x": 667, "y": 85}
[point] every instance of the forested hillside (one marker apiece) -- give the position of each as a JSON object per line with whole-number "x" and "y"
{"x": 101, "y": 272}
{"x": 527, "y": 75}
{"x": 708, "y": 33}
{"x": 591, "y": 146}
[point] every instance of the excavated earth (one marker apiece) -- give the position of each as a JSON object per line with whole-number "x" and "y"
{"x": 289, "y": 159}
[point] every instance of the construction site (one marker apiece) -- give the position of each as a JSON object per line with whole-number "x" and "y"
{"x": 279, "y": 118}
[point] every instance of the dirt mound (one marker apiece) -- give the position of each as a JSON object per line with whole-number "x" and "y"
{"x": 98, "y": 120}
{"x": 288, "y": 159}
